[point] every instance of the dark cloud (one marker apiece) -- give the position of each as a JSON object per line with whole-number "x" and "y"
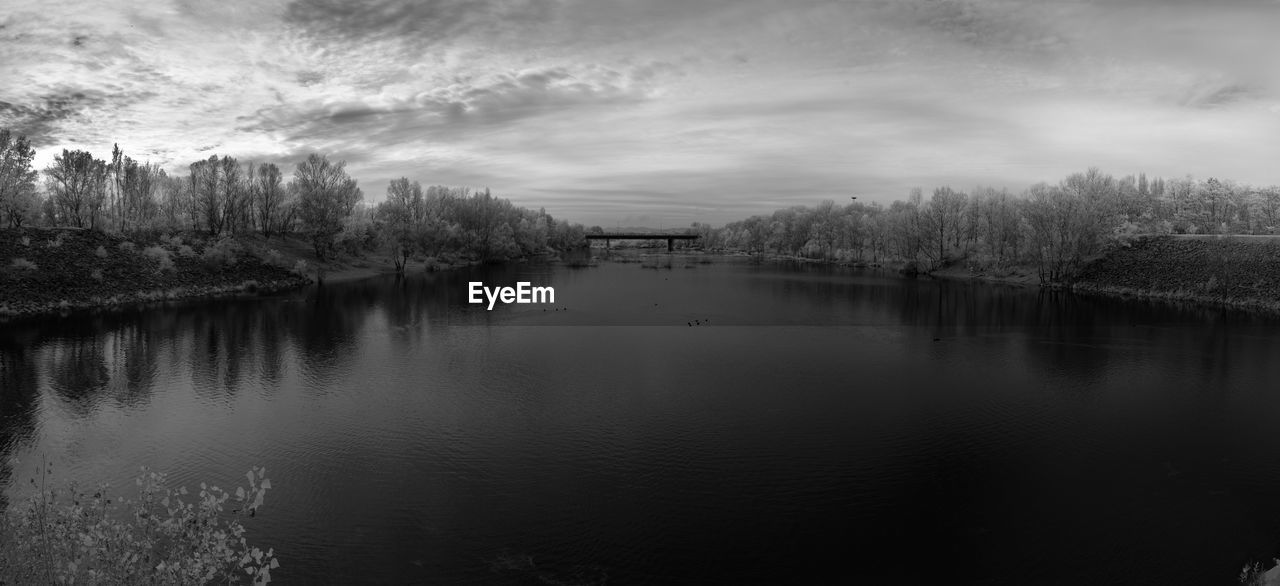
{"x": 1016, "y": 28}
{"x": 309, "y": 78}
{"x": 1217, "y": 95}
{"x": 424, "y": 20}
{"x": 42, "y": 119}
{"x": 451, "y": 113}
{"x": 357, "y": 114}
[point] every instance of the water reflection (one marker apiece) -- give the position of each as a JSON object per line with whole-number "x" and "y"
{"x": 19, "y": 379}
{"x": 823, "y": 411}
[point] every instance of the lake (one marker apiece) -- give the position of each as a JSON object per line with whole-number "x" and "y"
{"x": 815, "y": 425}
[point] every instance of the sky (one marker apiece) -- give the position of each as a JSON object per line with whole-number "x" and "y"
{"x": 659, "y": 113}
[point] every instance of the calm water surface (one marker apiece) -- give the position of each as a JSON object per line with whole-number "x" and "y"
{"x": 826, "y": 426}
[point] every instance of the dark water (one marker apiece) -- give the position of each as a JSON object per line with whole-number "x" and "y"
{"x": 826, "y": 426}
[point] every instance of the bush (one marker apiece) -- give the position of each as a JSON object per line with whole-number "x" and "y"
{"x": 78, "y": 536}
{"x": 1253, "y": 575}
{"x": 127, "y": 246}
{"x": 185, "y": 251}
{"x": 274, "y": 258}
{"x": 161, "y": 256}
{"x": 96, "y": 274}
{"x": 301, "y": 268}
{"x": 356, "y": 236}
{"x": 101, "y": 252}
{"x": 220, "y": 254}
{"x": 24, "y": 264}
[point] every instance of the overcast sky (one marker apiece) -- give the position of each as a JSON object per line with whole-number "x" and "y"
{"x": 659, "y": 112}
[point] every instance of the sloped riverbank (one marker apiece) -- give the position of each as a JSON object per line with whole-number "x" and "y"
{"x": 1238, "y": 271}
{"x": 44, "y": 271}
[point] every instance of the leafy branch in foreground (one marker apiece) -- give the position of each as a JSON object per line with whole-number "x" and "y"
{"x": 165, "y": 536}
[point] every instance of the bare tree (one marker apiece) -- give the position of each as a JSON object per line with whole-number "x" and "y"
{"x": 401, "y": 215}
{"x": 18, "y": 200}
{"x": 326, "y": 196}
{"x": 77, "y": 184}
{"x": 270, "y": 195}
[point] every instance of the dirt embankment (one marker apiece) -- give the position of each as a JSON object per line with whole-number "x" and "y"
{"x": 1235, "y": 271}
{"x": 51, "y": 270}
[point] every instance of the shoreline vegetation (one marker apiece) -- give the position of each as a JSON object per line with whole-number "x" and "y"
{"x": 182, "y": 236}
{"x": 88, "y": 233}
{"x": 1235, "y": 271}
{"x": 1239, "y": 271}
{"x": 70, "y": 534}
{"x": 63, "y": 271}
{"x": 1180, "y": 239}
{"x": 57, "y": 270}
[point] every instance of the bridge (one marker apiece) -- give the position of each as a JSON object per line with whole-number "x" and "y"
{"x": 670, "y": 238}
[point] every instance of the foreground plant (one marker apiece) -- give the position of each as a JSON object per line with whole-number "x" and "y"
{"x": 165, "y": 536}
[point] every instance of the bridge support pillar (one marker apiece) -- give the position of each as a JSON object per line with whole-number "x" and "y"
{"x": 671, "y": 244}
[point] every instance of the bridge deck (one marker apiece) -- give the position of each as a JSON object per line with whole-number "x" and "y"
{"x": 624, "y": 236}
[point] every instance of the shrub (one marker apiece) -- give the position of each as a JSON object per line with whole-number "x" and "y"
{"x": 161, "y": 256}
{"x": 24, "y": 264}
{"x": 1253, "y": 575}
{"x": 221, "y": 253}
{"x": 185, "y": 251}
{"x": 274, "y": 258}
{"x": 26, "y": 241}
{"x": 96, "y": 274}
{"x": 356, "y": 235}
{"x": 101, "y": 252}
{"x": 128, "y": 246}
{"x": 301, "y": 268}
{"x": 78, "y": 536}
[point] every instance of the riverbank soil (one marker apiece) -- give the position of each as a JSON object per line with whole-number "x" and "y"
{"x": 50, "y": 270}
{"x": 1241, "y": 271}
{"x": 342, "y": 267}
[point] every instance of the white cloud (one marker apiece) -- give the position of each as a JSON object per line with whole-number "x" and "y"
{"x": 706, "y": 110}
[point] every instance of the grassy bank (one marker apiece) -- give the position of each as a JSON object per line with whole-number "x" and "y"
{"x": 1013, "y": 275}
{"x": 45, "y": 271}
{"x": 1238, "y": 271}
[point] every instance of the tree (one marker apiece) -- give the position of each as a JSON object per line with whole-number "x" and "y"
{"x": 18, "y": 200}
{"x": 402, "y": 217}
{"x": 205, "y": 194}
{"x": 943, "y": 218}
{"x": 136, "y": 203}
{"x": 269, "y": 195}
{"x": 77, "y": 184}
{"x": 825, "y": 226}
{"x": 175, "y": 207}
{"x": 235, "y": 213}
{"x": 326, "y": 196}
{"x": 1267, "y": 202}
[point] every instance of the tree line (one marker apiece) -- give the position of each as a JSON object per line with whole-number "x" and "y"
{"x": 222, "y": 195}
{"x": 1053, "y": 227}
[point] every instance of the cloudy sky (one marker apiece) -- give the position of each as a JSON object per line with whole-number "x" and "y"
{"x": 660, "y": 112}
